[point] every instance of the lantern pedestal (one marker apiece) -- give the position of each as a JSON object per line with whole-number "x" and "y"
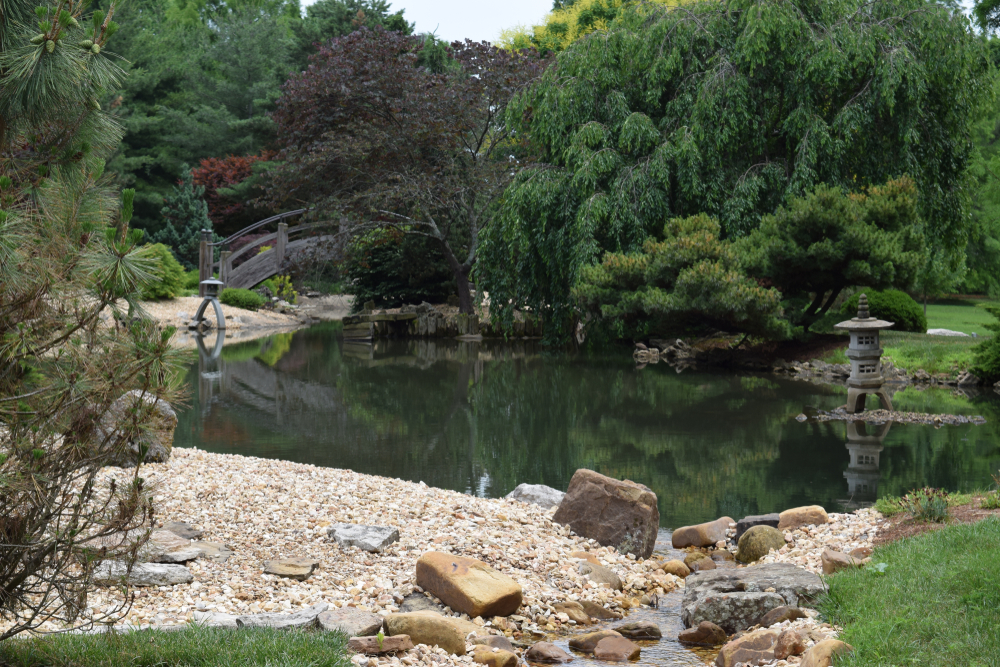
{"x": 866, "y": 359}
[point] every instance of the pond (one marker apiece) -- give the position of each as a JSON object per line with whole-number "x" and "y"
{"x": 483, "y": 417}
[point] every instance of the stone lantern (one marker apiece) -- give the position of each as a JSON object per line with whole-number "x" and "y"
{"x": 211, "y": 289}
{"x": 866, "y": 358}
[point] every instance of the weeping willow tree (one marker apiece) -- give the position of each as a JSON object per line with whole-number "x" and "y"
{"x": 73, "y": 341}
{"x": 731, "y": 109}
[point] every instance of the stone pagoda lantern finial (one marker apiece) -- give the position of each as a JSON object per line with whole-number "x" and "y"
{"x": 866, "y": 358}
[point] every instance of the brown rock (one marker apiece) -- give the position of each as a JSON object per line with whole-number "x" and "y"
{"x": 834, "y": 561}
{"x": 371, "y": 645}
{"x": 780, "y": 615}
{"x": 547, "y": 653}
{"x": 585, "y": 643}
{"x": 639, "y": 630}
{"x": 703, "y": 564}
{"x": 430, "y": 628}
{"x": 600, "y": 575}
{"x": 584, "y": 555}
{"x": 494, "y": 641}
{"x": 615, "y": 513}
{"x": 595, "y": 610}
{"x": 862, "y": 552}
{"x": 485, "y": 655}
{"x": 752, "y": 647}
{"x": 790, "y": 642}
{"x": 757, "y": 542}
{"x": 575, "y": 611}
{"x": 722, "y": 556}
{"x": 676, "y": 568}
{"x": 467, "y": 585}
{"x": 702, "y": 535}
{"x": 299, "y": 569}
{"x": 706, "y": 634}
{"x": 821, "y": 655}
{"x": 796, "y": 517}
{"x": 616, "y": 649}
{"x": 216, "y": 551}
{"x": 693, "y": 556}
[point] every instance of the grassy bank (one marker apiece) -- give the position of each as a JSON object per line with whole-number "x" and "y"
{"x": 191, "y": 647}
{"x": 937, "y": 602}
{"x": 965, "y": 315}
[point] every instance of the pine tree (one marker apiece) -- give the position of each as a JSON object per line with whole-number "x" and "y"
{"x": 186, "y": 214}
{"x": 67, "y": 259}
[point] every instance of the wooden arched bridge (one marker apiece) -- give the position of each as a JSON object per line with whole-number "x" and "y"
{"x": 257, "y": 268}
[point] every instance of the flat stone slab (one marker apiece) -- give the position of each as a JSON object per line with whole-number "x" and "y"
{"x": 143, "y": 574}
{"x": 183, "y": 529}
{"x": 369, "y": 538}
{"x": 945, "y": 332}
{"x": 217, "y": 551}
{"x": 537, "y": 494}
{"x": 180, "y": 555}
{"x": 299, "y": 569}
{"x": 352, "y": 622}
{"x": 304, "y": 618}
{"x": 735, "y": 599}
{"x": 215, "y": 619}
{"x": 748, "y": 522}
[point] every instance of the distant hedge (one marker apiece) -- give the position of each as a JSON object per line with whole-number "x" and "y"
{"x": 241, "y": 298}
{"x": 891, "y": 305}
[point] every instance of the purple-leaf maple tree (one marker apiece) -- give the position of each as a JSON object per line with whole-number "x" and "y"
{"x": 370, "y": 137}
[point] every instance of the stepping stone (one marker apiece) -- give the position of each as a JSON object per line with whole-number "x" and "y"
{"x": 302, "y": 619}
{"x": 299, "y": 569}
{"x": 639, "y": 630}
{"x": 183, "y": 529}
{"x": 372, "y": 646}
{"x": 369, "y": 538}
{"x": 143, "y": 574}
{"x": 352, "y": 622}
{"x": 616, "y": 649}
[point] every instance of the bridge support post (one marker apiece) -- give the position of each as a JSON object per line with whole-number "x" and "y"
{"x": 205, "y": 257}
{"x": 279, "y": 247}
{"x": 225, "y": 266}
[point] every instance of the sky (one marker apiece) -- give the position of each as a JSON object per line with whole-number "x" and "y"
{"x": 476, "y": 19}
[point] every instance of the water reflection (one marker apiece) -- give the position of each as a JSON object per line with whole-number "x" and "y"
{"x": 483, "y": 417}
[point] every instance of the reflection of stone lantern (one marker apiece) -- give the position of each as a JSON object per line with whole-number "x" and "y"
{"x": 862, "y": 473}
{"x": 866, "y": 358}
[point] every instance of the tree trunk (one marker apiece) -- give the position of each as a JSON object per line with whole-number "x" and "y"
{"x": 461, "y": 272}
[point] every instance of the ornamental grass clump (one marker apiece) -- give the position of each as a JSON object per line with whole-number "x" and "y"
{"x": 991, "y": 501}
{"x": 926, "y": 504}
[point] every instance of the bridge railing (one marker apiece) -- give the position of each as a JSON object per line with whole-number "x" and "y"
{"x": 206, "y": 254}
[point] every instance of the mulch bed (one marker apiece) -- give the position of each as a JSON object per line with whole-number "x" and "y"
{"x": 904, "y": 525}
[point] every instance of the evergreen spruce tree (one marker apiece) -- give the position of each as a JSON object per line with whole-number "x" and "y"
{"x": 186, "y": 214}
{"x": 78, "y": 389}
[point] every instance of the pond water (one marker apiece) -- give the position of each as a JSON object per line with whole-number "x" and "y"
{"x": 482, "y": 418}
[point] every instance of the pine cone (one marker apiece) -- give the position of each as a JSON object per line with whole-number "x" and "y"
{"x": 95, "y": 49}
{"x": 38, "y": 39}
{"x": 50, "y": 46}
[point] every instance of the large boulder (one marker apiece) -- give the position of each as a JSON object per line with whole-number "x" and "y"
{"x": 701, "y": 535}
{"x": 537, "y": 494}
{"x": 751, "y": 648}
{"x": 467, "y": 585}
{"x": 621, "y": 514}
{"x": 142, "y": 574}
{"x": 758, "y": 542}
{"x": 156, "y": 439}
{"x": 427, "y": 627}
{"x": 797, "y": 517}
{"x": 736, "y": 599}
{"x": 748, "y": 522}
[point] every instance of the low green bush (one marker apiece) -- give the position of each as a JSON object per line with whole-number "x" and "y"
{"x": 168, "y": 274}
{"x": 986, "y": 355}
{"x": 927, "y": 504}
{"x": 241, "y": 298}
{"x": 892, "y": 305}
{"x": 191, "y": 279}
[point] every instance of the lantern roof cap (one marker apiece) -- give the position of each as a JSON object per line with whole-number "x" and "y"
{"x": 864, "y": 321}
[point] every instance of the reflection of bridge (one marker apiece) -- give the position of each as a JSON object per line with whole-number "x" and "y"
{"x": 263, "y": 265}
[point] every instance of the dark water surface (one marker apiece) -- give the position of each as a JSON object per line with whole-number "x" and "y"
{"x": 483, "y": 417}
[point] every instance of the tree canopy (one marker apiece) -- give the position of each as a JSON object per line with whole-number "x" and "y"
{"x": 732, "y": 109}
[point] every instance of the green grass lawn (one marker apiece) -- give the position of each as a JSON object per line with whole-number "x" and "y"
{"x": 937, "y": 603}
{"x": 192, "y": 647}
{"x": 934, "y": 354}
{"x": 965, "y": 315}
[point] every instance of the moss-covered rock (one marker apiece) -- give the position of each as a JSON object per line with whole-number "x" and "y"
{"x": 757, "y": 542}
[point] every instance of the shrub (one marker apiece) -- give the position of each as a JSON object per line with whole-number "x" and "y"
{"x": 927, "y": 504}
{"x": 191, "y": 279}
{"x": 241, "y": 298}
{"x": 168, "y": 275}
{"x": 283, "y": 289}
{"x": 392, "y": 268}
{"x": 891, "y": 305}
{"x": 986, "y": 359}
